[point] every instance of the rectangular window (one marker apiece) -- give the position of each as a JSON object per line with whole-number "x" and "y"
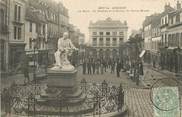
{"x": 43, "y": 44}
{"x": 94, "y": 33}
{"x": 15, "y": 30}
{"x": 114, "y": 42}
{"x": 169, "y": 40}
{"x": 15, "y": 12}
{"x": 173, "y": 40}
{"x": 19, "y": 33}
{"x": 101, "y": 33}
{"x": 43, "y": 29}
{"x": 177, "y": 39}
{"x": 30, "y": 43}
{"x": 101, "y": 42}
{"x": 30, "y": 27}
{"x": 94, "y": 41}
{"x": 172, "y": 21}
{"x": 114, "y": 33}
{"x": 121, "y": 33}
{"x": 177, "y": 18}
{"x": 120, "y": 39}
{"x": 107, "y": 33}
{"x": 165, "y": 20}
{"x": 162, "y": 38}
{"x": 166, "y": 40}
{"x": 19, "y": 13}
{"x": 107, "y": 41}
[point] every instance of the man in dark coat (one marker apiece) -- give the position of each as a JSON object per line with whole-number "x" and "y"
{"x": 118, "y": 68}
{"x": 112, "y": 67}
{"x": 89, "y": 67}
{"x": 84, "y": 65}
{"x": 97, "y": 65}
{"x": 93, "y": 66}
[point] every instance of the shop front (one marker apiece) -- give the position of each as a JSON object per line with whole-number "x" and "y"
{"x": 15, "y": 52}
{"x": 147, "y": 57}
{"x": 37, "y": 58}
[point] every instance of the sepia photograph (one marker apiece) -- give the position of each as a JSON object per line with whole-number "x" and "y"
{"x": 91, "y": 58}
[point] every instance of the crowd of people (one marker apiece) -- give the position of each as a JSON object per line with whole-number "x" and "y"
{"x": 100, "y": 66}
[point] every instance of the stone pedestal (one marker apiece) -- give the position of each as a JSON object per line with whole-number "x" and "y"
{"x": 65, "y": 80}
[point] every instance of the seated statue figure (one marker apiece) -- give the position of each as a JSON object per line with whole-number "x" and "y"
{"x": 65, "y": 49}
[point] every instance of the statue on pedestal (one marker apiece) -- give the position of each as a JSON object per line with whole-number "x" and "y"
{"x": 65, "y": 49}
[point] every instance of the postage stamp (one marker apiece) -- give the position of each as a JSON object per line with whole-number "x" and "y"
{"x": 166, "y": 102}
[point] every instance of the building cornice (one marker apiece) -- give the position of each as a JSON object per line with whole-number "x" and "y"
{"x": 175, "y": 25}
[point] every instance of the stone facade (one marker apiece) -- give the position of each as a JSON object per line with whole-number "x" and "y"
{"x": 105, "y": 36}
{"x": 26, "y": 22}
{"x": 165, "y": 29}
{"x": 4, "y": 32}
{"x": 17, "y": 31}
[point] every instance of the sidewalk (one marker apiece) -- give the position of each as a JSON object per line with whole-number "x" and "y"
{"x": 165, "y": 72}
{"x": 18, "y": 79}
{"x": 151, "y": 75}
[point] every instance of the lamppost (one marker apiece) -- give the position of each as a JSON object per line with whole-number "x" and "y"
{"x": 34, "y": 57}
{"x": 47, "y": 55}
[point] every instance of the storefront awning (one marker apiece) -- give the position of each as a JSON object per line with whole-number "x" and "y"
{"x": 142, "y": 53}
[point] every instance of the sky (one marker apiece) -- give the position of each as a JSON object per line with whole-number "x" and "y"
{"x": 134, "y": 18}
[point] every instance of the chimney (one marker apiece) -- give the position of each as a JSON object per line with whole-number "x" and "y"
{"x": 178, "y": 5}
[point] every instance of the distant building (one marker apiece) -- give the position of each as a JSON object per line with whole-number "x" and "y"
{"x": 4, "y": 33}
{"x": 152, "y": 38}
{"x": 105, "y": 36}
{"x": 57, "y": 23}
{"x": 36, "y": 35}
{"x": 167, "y": 53}
{"x": 16, "y": 26}
{"x": 172, "y": 51}
{"x": 163, "y": 38}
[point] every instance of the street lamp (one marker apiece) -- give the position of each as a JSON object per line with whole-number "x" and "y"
{"x": 34, "y": 70}
{"x": 47, "y": 54}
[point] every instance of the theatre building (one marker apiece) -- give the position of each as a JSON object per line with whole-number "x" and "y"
{"x": 105, "y": 36}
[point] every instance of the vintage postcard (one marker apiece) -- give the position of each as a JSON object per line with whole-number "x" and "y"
{"x": 91, "y": 58}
